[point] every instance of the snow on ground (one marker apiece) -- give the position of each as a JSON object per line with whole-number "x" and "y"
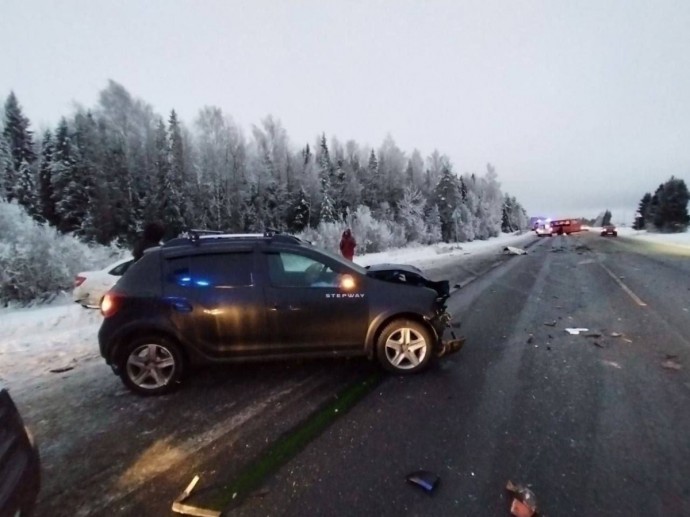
{"x": 676, "y": 239}
{"x": 62, "y": 334}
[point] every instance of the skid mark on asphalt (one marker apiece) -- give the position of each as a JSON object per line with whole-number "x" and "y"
{"x": 164, "y": 455}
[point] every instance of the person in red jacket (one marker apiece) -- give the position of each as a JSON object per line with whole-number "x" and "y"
{"x": 348, "y": 244}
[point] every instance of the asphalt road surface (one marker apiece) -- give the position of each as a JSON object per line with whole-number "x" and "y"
{"x": 595, "y": 424}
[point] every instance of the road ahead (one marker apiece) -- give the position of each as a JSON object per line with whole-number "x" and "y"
{"x": 596, "y": 425}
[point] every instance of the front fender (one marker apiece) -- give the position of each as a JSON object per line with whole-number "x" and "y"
{"x": 382, "y": 319}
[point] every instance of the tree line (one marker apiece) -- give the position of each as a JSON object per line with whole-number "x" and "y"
{"x": 666, "y": 210}
{"x": 102, "y": 173}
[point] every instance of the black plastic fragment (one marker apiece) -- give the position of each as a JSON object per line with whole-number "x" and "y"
{"x": 424, "y": 479}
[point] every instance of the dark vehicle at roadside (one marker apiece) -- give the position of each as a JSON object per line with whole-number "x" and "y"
{"x": 609, "y": 229}
{"x": 214, "y": 298}
{"x": 20, "y": 467}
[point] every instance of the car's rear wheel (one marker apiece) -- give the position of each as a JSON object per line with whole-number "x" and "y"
{"x": 404, "y": 347}
{"x": 152, "y": 365}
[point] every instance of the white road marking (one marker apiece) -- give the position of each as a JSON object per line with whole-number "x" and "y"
{"x": 625, "y": 288}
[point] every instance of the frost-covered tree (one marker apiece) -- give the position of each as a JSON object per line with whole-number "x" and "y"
{"x": 411, "y": 214}
{"x": 447, "y": 198}
{"x": 36, "y": 261}
{"x": 514, "y": 216}
{"x": 392, "y": 162}
{"x": 17, "y": 171}
{"x": 299, "y": 212}
{"x": 8, "y": 176}
{"x": 46, "y": 201}
{"x": 372, "y": 193}
{"x": 69, "y": 197}
{"x": 489, "y": 209}
{"x": 327, "y": 211}
{"x": 433, "y": 225}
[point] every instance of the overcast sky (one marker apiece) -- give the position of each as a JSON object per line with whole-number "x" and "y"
{"x": 580, "y": 105}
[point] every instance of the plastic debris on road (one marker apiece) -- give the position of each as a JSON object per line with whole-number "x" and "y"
{"x": 616, "y": 334}
{"x": 187, "y": 509}
{"x": 614, "y": 364}
{"x": 670, "y": 364}
{"x": 550, "y": 323}
{"x": 524, "y": 501}
{"x": 62, "y": 369}
{"x": 424, "y": 479}
{"x": 576, "y": 331}
{"x": 511, "y": 250}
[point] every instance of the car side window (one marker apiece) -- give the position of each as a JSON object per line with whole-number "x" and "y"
{"x": 293, "y": 270}
{"x": 219, "y": 270}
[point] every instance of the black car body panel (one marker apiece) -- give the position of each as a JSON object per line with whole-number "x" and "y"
{"x": 251, "y": 298}
{"x": 20, "y": 470}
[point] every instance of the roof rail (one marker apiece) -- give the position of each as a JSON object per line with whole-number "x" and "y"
{"x": 196, "y": 237}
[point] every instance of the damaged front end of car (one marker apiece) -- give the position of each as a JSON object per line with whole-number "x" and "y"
{"x": 441, "y": 321}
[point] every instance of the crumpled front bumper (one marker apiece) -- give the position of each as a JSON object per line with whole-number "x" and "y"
{"x": 448, "y": 346}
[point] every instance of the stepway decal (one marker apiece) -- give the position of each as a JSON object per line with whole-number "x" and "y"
{"x": 347, "y": 295}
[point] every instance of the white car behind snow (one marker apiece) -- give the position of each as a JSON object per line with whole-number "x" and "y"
{"x": 90, "y": 286}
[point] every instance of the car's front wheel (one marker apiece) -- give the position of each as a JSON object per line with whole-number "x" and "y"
{"x": 404, "y": 346}
{"x": 152, "y": 365}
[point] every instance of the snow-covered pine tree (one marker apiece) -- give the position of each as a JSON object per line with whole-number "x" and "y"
{"x": 372, "y": 194}
{"x": 8, "y": 176}
{"x": 25, "y": 191}
{"x": 298, "y": 212}
{"x": 447, "y": 198}
{"x": 433, "y": 225}
{"x": 63, "y": 174}
{"x": 174, "y": 212}
{"x": 327, "y": 212}
{"x": 18, "y": 173}
{"x": 46, "y": 201}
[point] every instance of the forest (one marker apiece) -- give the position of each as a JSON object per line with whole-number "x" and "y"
{"x": 78, "y": 194}
{"x": 103, "y": 172}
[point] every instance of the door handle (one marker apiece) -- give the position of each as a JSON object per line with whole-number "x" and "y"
{"x": 277, "y": 307}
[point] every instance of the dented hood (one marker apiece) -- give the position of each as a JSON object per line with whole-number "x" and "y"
{"x": 407, "y": 274}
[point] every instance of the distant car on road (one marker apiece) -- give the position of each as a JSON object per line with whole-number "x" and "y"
{"x": 20, "y": 467}
{"x": 90, "y": 286}
{"x": 609, "y": 229}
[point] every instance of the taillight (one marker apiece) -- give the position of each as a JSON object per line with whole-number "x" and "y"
{"x": 109, "y": 305}
{"x": 78, "y": 280}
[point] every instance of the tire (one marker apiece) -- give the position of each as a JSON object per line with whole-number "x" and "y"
{"x": 151, "y": 365}
{"x": 396, "y": 359}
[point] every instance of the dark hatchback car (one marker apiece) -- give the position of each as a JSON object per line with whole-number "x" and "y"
{"x": 609, "y": 229}
{"x": 20, "y": 468}
{"x": 230, "y": 298}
